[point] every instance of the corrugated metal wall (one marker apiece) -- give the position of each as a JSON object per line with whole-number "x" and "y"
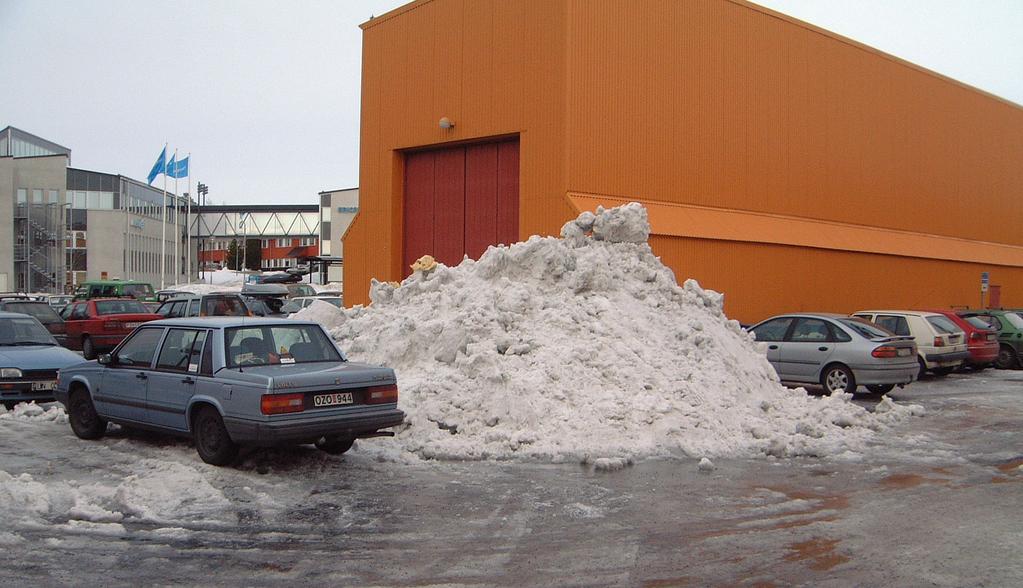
{"x": 707, "y": 102}
{"x": 494, "y": 68}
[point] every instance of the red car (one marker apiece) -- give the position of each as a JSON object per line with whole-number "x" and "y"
{"x": 100, "y": 324}
{"x": 981, "y": 340}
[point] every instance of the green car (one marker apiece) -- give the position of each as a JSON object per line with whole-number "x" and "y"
{"x": 1009, "y": 324}
{"x": 115, "y": 288}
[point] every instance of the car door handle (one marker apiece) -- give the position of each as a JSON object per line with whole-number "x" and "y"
{"x": 188, "y": 381}
{"x": 822, "y": 349}
{"x": 141, "y": 376}
{"x": 772, "y": 346}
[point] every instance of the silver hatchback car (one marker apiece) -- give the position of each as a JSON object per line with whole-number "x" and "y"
{"x": 836, "y": 351}
{"x": 231, "y": 381}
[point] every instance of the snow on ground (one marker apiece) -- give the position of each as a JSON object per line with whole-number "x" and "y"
{"x": 30, "y": 411}
{"x": 581, "y": 348}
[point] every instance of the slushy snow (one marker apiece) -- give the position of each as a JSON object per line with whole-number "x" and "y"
{"x": 580, "y": 348}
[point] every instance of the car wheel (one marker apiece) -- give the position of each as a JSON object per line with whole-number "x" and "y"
{"x": 88, "y": 349}
{"x": 85, "y": 421}
{"x": 335, "y": 445}
{"x": 923, "y": 368}
{"x": 838, "y": 378}
{"x": 1007, "y": 358}
{"x": 9, "y": 405}
{"x": 942, "y": 372}
{"x": 212, "y": 441}
{"x": 881, "y": 388}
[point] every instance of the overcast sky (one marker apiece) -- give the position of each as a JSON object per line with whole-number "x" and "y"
{"x": 267, "y": 100}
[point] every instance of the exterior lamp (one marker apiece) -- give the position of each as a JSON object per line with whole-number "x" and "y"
{"x": 446, "y": 123}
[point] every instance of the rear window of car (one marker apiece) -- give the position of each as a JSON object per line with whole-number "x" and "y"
{"x": 866, "y": 329}
{"x": 120, "y": 307}
{"x": 978, "y": 322}
{"x": 41, "y": 310}
{"x": 943, "y": 324}
{"x": 266, "y": 345}
{"x": 1014, "y": 319}
{"x": 138, "y": 290}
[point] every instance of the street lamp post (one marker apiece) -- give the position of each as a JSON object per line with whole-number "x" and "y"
{"x": 202, "y": 189}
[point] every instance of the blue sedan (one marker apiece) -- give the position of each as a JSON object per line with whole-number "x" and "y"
{"x": 232, "y": 381}
{"x": 29, "y": 359}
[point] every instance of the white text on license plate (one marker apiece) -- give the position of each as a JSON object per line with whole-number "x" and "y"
{"x": 903, "y": 352}
{"x": 333, "y": 399}
{"x": 44, "y": 386}
{"x": 131, "y": 325}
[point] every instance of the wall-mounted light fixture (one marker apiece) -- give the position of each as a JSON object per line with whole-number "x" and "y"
{"x": 446, "y": 123}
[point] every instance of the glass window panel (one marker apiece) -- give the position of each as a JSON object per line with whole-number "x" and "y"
{"x": 106, "y": 200}
{"x": 79, "y": 201}
{"x": 37, "y": 196}
{"x": 54, "y": 196}
{"x": 22, "y": 195}
{"x": 92, "y": 201}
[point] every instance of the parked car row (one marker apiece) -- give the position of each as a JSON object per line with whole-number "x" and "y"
{"x": 881, "y": 349}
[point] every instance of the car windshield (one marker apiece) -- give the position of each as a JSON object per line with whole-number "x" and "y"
{"x": 138, "y": 290}
{"x": 292, "y": 306}
{"x": 942, "y": 324}
{"x": 273, "y": 304}
{"x": 1015, "y": 319}
{"x": 41, "y": 310}
{"x": 867, "y": 329}
{"x": 24, "y": 331}
{"x": 285, "y": 344}
{"x": 120, "y": 307}
{"x": 978, "y": 322}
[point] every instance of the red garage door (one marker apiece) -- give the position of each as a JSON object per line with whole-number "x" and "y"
{"x": 460, "y": 200}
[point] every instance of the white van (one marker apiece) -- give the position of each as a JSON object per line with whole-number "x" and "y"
{"x": 940, "y": 343}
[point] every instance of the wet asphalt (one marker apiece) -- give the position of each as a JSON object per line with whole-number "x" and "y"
{"x": 936, "y": 503}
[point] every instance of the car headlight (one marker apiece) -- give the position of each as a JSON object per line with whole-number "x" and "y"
{"x": 10, "y": 373}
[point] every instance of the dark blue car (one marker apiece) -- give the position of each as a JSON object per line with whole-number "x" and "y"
{"x": 29, "y": 360}
{"x": 231, "y": 381}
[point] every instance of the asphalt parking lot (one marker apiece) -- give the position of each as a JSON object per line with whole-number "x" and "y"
{"x": 936, "y": 503}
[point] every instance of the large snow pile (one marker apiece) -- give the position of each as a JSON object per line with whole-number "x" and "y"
{"x": 30, "y": 411}
{"x": 583, "y": 347}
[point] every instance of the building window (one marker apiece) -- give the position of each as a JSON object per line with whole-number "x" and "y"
{"x": 283, "y": 242}
{"x": 54, "y": 197}
{"x": 22, "y": 196}
{"x": 37, "y": 196}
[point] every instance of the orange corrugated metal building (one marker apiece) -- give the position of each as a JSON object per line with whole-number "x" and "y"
{"x": 784, "y": 165}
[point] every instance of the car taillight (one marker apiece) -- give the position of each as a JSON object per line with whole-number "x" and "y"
{"x": 113, "y": 325}
{"x": 939, "y": 342}
{"x": 885, "y": 351}
{"x": 382, "y": 394}
{"x": 282, "y": 403}
{"x": 977, "y": 336}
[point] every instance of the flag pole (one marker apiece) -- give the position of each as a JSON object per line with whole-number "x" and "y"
{"x": 177, "y": 226}
{"x": 188, "y": 222}
{"x": 163, "y": 231}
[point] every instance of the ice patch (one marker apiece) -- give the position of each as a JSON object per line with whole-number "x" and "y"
{"x": 578, "y": 348}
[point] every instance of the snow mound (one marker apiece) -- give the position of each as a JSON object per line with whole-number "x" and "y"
{"x": 30, "y": 411}
{"x": 581, "y": 348}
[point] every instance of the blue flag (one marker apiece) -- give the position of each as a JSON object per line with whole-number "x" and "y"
{"x": 160, "y": 167}
{"x": 178, "y": 169}
{"x": 169, "y": 168}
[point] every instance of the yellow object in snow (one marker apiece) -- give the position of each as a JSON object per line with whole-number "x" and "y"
{"x": 424, "y": 263}
{"x": 395, "y": 284}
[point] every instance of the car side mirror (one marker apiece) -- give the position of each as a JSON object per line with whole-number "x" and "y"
{"x": 105, "y": 359}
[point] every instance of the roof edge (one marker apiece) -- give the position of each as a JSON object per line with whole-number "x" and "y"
{"x": 869, "y": 49}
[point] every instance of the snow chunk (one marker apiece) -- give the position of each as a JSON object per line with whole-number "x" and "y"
{"x": 705, "y": 465}
{"x": 30, "y": 411}
{"x": 562, "y": 349}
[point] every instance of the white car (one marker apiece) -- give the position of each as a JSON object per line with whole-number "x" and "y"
{"x": 296, "y": 304}
{"x": 941, "y": 344}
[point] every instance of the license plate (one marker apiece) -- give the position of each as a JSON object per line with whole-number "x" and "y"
{"x": 131, "y": 325}
{"x": 44, "y": 386}
{"x": 903, "y": 352}
{"x": 333, "y": 399}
